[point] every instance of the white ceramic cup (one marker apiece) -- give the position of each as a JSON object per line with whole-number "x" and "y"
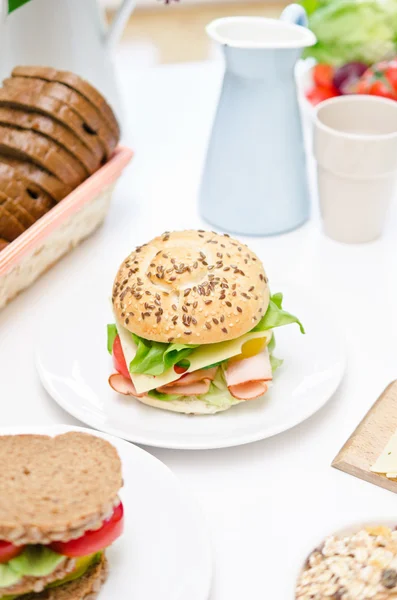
{"x": 355, "y": 145}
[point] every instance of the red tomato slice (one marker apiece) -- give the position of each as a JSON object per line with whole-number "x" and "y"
{"x": 179, "y": 370}
{"x": 94, "y": 541}
{"x": 118, "y": 358}
{"x": 323, "y": 75}
{"x": 9, "y": 551}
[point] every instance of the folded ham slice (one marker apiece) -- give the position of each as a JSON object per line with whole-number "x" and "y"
{"x": 246, "y": 379}
{"x": 193, "y": 389}
{"x": 191, "y": 384}
{"x": 124, "y": 386}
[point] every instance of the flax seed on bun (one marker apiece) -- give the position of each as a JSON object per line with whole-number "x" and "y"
{"x": 192, "y": 287}
{"x": 56, "y": 489}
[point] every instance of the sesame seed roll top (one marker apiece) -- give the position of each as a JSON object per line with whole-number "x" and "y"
{"x": 191, "y": 287}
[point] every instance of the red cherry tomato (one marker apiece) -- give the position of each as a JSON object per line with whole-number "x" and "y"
{"x": 391, "y": 74}
{"x": 323, "y": 75}
{"x": 380, "y": 80}
{"x": 319, "y": 94}
{"x": 118, "y": 358}
{"x": 94, "y": 541}
{"x": 9, "y": 551}
{"x": 179, "y": 370}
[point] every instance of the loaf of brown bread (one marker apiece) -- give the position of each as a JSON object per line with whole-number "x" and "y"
{"x": 76, "y": 83}
{"x": 15, "y": 117}
{"x": 3, "y": 244}
{"x": 57, "y": 110}
{"x": 42, "y": 151}
{"x": 56, "y": 130}
{"x": 43, "y": 187}
{"x": 78, "y": 103}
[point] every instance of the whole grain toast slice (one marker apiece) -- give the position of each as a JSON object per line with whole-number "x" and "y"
{"x": 41, "y": 186}
{"x": 14, "y": 117}
{"x": 78, "y": 103}
{"x": 85, "y": 588}
{"x": 56, "y": 488}
{"x": 3, "y": 244}
{"x": 10, "y": 227}
{"x": 43, "y": 152}
{"x": 25, "y": 193}
{"x": 24, "y": 218}
{"x": 58, "y": 110}
{"x": 76, "y": 83}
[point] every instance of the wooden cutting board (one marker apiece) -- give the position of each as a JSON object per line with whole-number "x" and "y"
{"x": 369, "y": 439}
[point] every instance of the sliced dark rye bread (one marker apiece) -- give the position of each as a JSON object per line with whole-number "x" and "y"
{"x": 10, "y": 227}
{"x": 75, "y": 101}
{"x": 3, "y": 244}
{"x": 58, "y": 110}
{"x": 76, "y": 83}
{"x": 86, "y": 587}
{"x": 15, "y": 117}
{"x": 27, "y": 195}
{"x": 24, "y": 218}
{"x": 43, "y": 152}
{"x": 42, "y": 186}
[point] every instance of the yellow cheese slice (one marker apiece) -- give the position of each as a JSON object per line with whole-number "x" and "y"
{"x": 201, "y": 357}
{"x": 387, "y": 461}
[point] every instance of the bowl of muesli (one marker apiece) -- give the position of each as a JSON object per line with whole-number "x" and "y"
{"x": 356, "y": 563}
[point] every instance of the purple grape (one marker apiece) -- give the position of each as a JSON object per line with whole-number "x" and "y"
{"x": 346, "y": 77}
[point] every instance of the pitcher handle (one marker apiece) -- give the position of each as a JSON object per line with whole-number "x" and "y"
{"x": 119, "y": 22}
{"x": 295, "y": 13}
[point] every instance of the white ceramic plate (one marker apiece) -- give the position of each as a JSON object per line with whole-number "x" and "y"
{"x": 165, "y": 551}
{"x": 74, "y": 367}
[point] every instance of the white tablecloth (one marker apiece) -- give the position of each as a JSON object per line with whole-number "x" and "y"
{"x": 265, "y": 500}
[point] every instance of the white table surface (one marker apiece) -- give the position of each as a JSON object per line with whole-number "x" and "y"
{"x": 263, "y": 501}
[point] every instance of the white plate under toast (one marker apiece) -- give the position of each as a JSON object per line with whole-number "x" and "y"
{"x": 74, "y": 366}
{"x": 165, "y": 552}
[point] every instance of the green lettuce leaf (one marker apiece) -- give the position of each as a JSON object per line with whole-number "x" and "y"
{"x": 153, "y": 358}
{"x": 8, "y": 576}
{"x": 112, "y": 334}
{"x": 352, "y": 30}
{"x": 36, "y": 561}
{"x": 277, "y": 317}
{"x": 274, "y": 362}
{"x": 165, "y": 397}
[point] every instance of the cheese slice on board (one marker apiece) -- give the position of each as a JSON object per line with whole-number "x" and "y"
{"x": 201, "y": 357}
{"x": 387, "y": 461}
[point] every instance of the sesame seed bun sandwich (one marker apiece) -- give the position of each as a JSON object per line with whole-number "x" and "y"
{"x": 59, "y": 511}
{"x": 193, "y": 321}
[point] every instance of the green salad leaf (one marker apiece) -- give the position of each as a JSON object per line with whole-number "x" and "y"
{"x": 36, "y": 561}
{"x": 276, "y": 317}
{"x": 274, "y": 362}
{"x": 112, "y": 334}
{"x": 153, "y": 358}
{"x": 8, "y": 576}
{"x": 352, "y": 30}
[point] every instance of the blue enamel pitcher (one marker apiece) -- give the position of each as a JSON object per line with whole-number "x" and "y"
{"x": 255, "y": 180}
